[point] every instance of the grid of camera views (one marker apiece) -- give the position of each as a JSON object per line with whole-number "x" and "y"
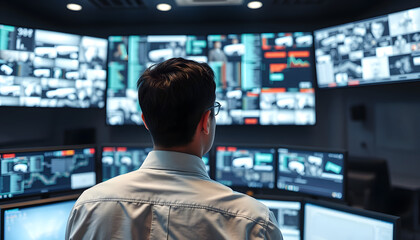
{"x": 264, "y": 79}
{"x": 41, "y": 68}
{"x": 378, "y": 50}
{"x": 245, "y": 167}
{"x": 130, "y": 56}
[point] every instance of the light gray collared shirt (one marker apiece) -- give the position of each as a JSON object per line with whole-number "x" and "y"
{"x": 170, "y": 197}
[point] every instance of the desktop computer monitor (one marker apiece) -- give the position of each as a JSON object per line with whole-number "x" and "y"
{"x": 251, "y": 167}
{"x": 33, "y": 172}
{"x": 46, "y": 221}
{"x": 313, "y": 172}
{"x": 288, "y": 213}
{"x": 328, "y": 221}
{"x": 40, "y": 68}
{"x": 383, "y": 49}
{"x": 123, "y": 159}
{"x": 117, "y": 160}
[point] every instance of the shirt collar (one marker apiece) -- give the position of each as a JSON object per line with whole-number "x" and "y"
{"x": 175, "y": 161}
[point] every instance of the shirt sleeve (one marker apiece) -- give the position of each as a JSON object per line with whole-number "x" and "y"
{"x": 272, "y": 230}
{"x": 70, "y": 222}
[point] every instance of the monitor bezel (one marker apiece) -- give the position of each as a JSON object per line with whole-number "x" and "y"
{"x": 395, "y": 220}
{"x": 55, "y": 193}
{"x": 315, "y": 149}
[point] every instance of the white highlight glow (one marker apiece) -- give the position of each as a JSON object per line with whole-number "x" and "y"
{"x": 74, "y": 7}
{"x": 255, "y": 4}
{"x": 164, "y": 7}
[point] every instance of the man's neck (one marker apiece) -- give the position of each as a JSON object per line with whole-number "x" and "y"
{"x": 188, "y": 149}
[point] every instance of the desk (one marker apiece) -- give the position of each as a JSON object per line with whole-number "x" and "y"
{"x": 411, "y": 184}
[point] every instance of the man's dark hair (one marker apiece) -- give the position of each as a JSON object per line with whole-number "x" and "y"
{"x": 173, "y": 96}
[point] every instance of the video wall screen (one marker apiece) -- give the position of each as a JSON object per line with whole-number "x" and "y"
{"x": 129, "y": 56}
{"x": 46, "y": 171}
{"x": 384, "y": 49}
{"x": 40, "y": 68}
{"x": 245, "y": 167}
{"x": 263, "y": 79}
{"x": 316, "y": 173}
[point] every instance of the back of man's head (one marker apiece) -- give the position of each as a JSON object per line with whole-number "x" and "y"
{"x": 173, "y": 96}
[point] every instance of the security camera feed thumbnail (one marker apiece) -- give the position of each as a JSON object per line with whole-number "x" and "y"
{"x": 32, "y": 173}
{"x": 245, "y": 167}
{"x": 263, "y": 79}
{"x": 130, "y": 56}
{"x": 288, "y": 215}
{"x": 121, "y": 160}
{"x": 311, "y": 172}
{"x": 384, "y": 49}
{"x": 50, "y": 69}
{"x": 44, "y": 222}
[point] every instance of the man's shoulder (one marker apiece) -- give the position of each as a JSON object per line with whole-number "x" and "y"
{"x": 236, "y": 203}
{"x": 109, "y": 189}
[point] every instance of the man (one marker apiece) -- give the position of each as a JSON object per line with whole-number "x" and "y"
{"x": 171, "y": 196}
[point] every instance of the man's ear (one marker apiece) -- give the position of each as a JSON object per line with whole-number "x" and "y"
{"x": 145, "y": 125}
{"x": 205, "y": 122}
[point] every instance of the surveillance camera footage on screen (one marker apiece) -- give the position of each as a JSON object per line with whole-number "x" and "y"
{"x": 261, "y": 79}
{"x": 41, "y": 68}
{"x": 316, "y": 173}
{"x": 245, "y": 167}
{"x": 384, "y": 49}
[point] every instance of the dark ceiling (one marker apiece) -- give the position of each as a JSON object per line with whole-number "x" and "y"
{"x": 119, "y": 13}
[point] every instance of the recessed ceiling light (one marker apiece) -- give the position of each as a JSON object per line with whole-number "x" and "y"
{"x": 74, "y": 7}
{"x": 164, "y": 7}
{"x": 255, "y": 4}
